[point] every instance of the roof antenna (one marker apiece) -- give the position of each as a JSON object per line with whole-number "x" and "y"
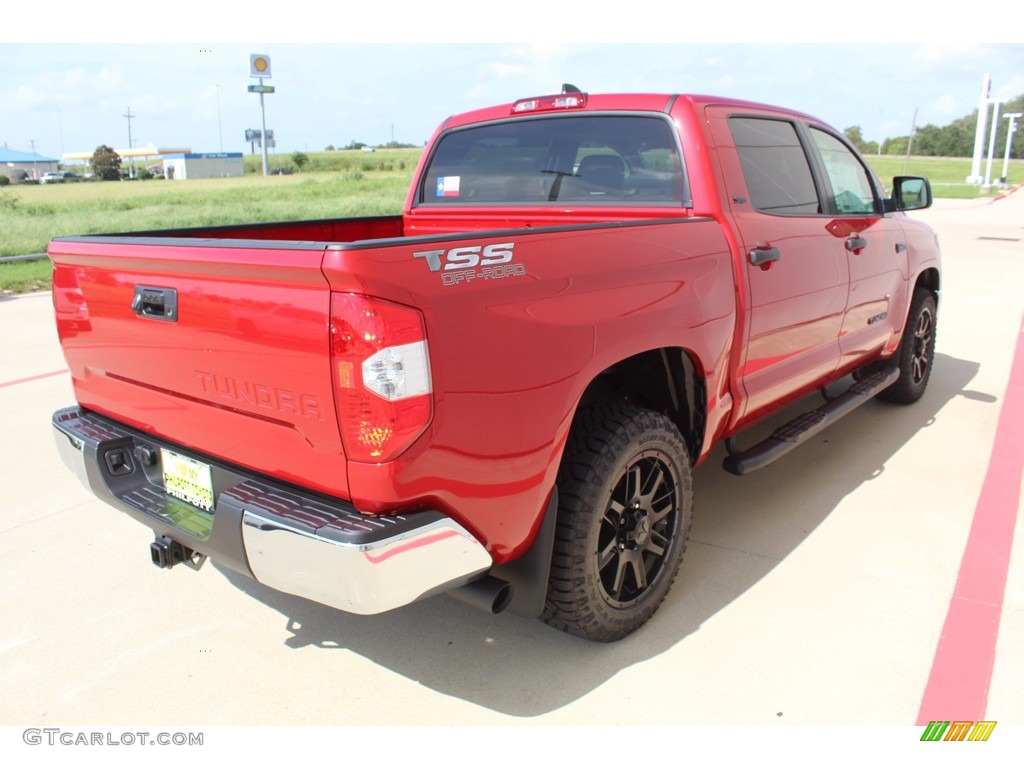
{"x": 570, "y": 88}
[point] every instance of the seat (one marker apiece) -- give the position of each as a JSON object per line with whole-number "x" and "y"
{"x": 606, "y": 171}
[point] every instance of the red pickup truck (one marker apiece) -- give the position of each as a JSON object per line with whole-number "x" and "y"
{"x": 501, "y": 392}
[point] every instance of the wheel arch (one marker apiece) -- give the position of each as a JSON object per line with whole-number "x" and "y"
{"x": 929, "y": 279}
{"x": 667, "y": 380}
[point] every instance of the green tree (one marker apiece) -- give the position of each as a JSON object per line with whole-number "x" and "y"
{"x": 928, "y": 140}
{"x": 953, "y": 140}
{"x": 895, "y": 146}
{"x": 856, "y": 137}
{"x": 299, "y": 159}
{"x": 106, "y": 163}
{"x": 957, "y": 138}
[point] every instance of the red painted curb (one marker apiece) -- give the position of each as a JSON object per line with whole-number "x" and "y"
{"x": 1005, "y": 194}
{"x": 32, "y": 378}
{"x": 961, "y": 673}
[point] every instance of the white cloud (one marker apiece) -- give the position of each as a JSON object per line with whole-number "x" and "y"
{"x": 944, "y": 109}
{"x": 24, "y": 98}
{"x": 504, "y": 69}
{"x": 1010, "y": 89}
{"x": 326, "y": 90}
{"x": 108, "y": 79}
{"x": 941, "y": 53}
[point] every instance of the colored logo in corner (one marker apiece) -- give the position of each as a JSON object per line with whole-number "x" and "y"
{"x": 958, "y": 730}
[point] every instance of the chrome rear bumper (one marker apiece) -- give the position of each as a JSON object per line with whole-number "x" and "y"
{"x": 300, "y": 543}
{"x": 377, "y": 576}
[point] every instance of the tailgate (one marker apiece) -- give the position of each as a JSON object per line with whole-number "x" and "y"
{"x": 220, "y": 348}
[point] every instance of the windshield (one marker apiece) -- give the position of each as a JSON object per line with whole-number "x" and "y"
{"x": 591, "y": 159}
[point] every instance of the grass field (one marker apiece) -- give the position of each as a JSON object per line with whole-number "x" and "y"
{"x": 25, "y": 276}
{"x": 332, "y": 185}
{"x": 946, "y": 174}
{"x": 364, "y": 185}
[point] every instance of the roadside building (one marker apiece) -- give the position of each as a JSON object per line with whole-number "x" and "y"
{"x": 129, "y": 157}
{"x": 22, "y": 166}
{"x": 203, "y": 165}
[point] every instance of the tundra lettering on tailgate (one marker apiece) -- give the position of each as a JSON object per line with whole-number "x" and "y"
{"x": 261, "y": 395}
{"x": 459, "y": 265}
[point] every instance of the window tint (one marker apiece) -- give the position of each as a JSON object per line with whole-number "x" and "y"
{"x": 775, "y": 166}
{"x": 598, "y": 159}
{"x": 851, "y": 187}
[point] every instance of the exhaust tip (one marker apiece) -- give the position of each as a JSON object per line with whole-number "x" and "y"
{"x": 488, "y": 594}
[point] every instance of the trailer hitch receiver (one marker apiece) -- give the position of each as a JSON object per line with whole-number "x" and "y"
{"x": 167, "y": 553}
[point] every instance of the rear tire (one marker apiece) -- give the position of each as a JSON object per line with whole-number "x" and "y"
{"x": 625, "y": 500}
{"x": 916, "y": 354}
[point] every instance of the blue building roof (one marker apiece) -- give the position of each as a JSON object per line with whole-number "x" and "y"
{"x": 11, "y": 156}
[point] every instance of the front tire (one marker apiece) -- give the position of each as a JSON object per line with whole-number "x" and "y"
{"x": 625, "y": 506}
{"x": 916, "y": 355}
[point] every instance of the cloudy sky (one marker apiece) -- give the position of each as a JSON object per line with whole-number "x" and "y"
{"x": 340, "y": 80}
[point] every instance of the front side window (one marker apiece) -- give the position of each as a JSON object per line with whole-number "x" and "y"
{"x": 588, "y": 159}
{"x": 852, "y": 191}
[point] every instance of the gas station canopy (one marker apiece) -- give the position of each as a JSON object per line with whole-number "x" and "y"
{"x": 133, "y": 152}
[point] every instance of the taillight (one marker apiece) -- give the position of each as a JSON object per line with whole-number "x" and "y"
{"x": 381, "y": 376}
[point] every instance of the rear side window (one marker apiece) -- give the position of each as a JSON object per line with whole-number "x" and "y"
{"x": 775, "y": 166}
{"x": 588, "y": 159}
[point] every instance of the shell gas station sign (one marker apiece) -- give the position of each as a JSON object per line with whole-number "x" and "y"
{"x": 259, "y": 65}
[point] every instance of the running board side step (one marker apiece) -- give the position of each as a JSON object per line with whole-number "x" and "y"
{"x": 789, "y": 436}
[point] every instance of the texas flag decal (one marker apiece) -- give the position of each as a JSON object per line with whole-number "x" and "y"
{"x": 448, "y": 186}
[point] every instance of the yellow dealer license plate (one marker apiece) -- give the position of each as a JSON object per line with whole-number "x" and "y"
{"x": 188, "y": 479}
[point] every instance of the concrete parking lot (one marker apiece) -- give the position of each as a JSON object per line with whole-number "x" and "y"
{"x": 872, "y": 578}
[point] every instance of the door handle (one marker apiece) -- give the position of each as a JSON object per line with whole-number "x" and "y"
{"x": 760, "y": 256}
{"x": 856, "y": 244}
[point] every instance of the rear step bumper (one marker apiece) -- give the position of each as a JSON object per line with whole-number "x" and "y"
{"x": 789, "y": 436}
{"x": 297, "y": 542}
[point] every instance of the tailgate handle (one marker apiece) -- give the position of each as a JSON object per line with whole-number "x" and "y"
{"x": 156, "y": 303}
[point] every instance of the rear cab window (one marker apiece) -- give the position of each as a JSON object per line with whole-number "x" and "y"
{"x": 593, "y": 159}
{"x": 775, "y": 166}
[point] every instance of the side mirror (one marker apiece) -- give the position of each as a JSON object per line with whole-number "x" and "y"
{"x": 909, "y": 193}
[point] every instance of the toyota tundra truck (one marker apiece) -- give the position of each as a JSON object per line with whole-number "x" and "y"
{"x": 501, "y": 392}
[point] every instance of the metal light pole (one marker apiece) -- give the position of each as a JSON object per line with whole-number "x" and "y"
{"x": 220, "y": 131}
{"x": 263, "y": 132}
{"x": 910, "y": 139}
{"x": 1012, "y": 117}
{"x": 131, "y": 160}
